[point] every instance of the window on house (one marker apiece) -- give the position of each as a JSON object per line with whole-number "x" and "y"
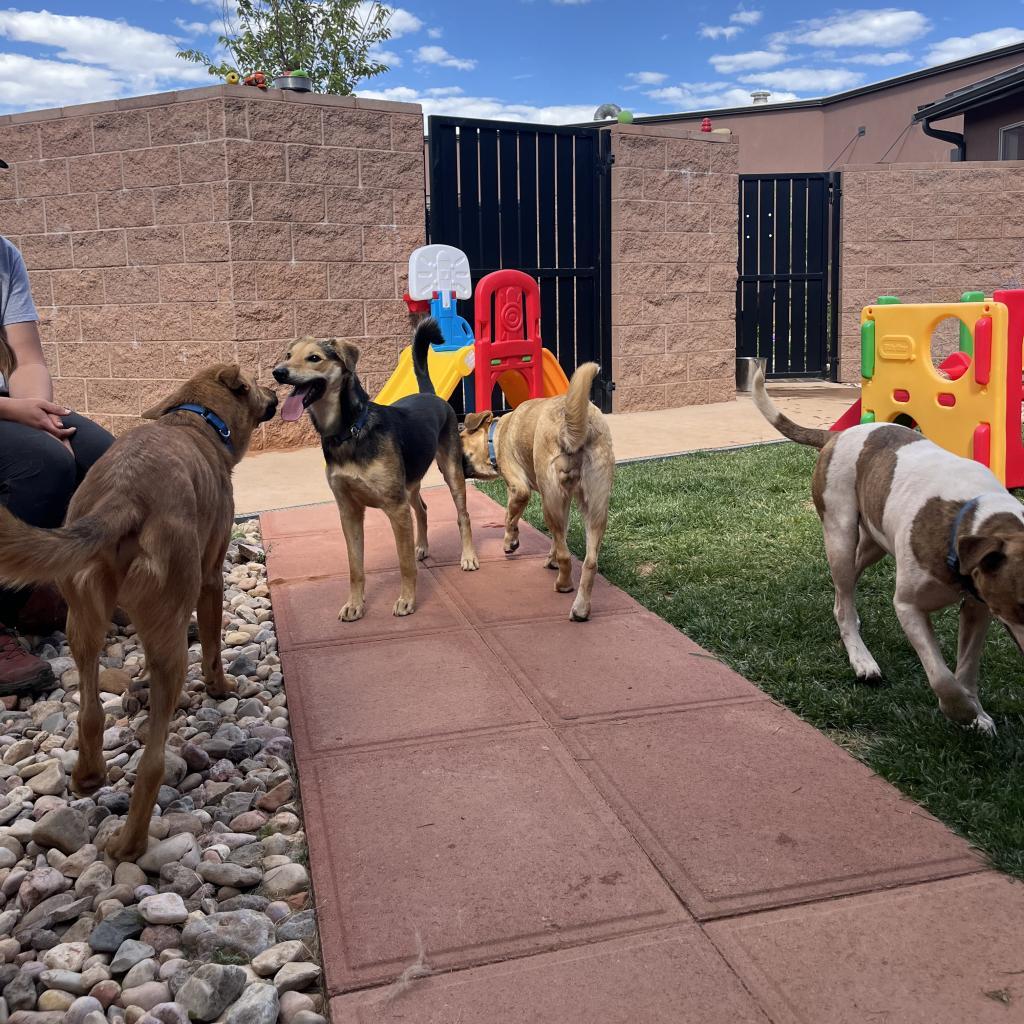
{"x": 1011, "y": 142}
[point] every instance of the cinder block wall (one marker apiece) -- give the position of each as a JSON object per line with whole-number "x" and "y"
{"x": 674, "y": 246}
{"x": 927, "y": 233}
{"x": 167, "y": 232}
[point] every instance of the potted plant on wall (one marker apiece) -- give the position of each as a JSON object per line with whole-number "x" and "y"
{"x": 297, "y": 81}
{"x": 328, "y": 43}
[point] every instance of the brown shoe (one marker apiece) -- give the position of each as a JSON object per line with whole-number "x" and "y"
{"x": 44, "y": 612}
{"x": 21, "y": 673}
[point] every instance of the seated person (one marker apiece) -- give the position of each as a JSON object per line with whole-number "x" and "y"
{"x": 45, "y": 451}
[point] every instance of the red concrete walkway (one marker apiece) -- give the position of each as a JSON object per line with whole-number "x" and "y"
{"x": 598, "y": 823}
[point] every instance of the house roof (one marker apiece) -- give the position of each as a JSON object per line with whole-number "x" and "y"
{"x": 827, "y": 101}
{"x": 1006, "y": 83}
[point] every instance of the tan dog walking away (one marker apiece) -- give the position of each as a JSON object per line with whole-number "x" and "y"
{"x": 147, "y": 530}
{"x": 562, "y": 448}
{"x": 955, "y": 532}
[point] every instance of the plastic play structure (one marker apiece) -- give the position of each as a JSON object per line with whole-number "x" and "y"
{"x": 971, "y": 405}
{"x": 505, "y": 346}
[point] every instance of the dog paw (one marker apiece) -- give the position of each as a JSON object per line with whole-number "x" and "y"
{"x": 221, "y": 689}
{"x": 564, "y": 588}
{"x": 579, "y": 614}
{"x": 87, "y": 783}
{"x": 984, "y": 724}
{"x": 511, "y": 545}
{"x": 470, "y": 563}
{"x": 123, "y": 847}
{"x": 870, "y": 678}
{"x": 422, "y": 552}
{"x": 405, "y": 606}
{"x": 351, "y": 612}
{"x": 551, "y": 563}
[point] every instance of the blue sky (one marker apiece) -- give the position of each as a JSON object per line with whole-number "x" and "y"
{"x": 544, "y": 60}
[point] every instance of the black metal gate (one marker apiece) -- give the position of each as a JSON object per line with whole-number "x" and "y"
{"x": 534, "y": 198}
{"x": 787, "y": 297}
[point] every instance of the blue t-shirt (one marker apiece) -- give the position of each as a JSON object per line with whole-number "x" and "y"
{"x": 16, "y": 305}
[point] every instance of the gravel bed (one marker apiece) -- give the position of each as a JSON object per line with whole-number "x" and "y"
{"x": 214, "y": 922}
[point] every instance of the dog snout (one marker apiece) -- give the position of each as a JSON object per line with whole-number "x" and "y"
{"x": 281, "y": 374}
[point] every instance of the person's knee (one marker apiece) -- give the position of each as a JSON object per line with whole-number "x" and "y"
{"x": 40, "y": 487}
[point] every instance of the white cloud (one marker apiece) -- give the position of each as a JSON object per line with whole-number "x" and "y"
{"x": 647, "y": 77}
{"x": 884, "y": 27}
{"x": 400, "y": 21}
{"x": 217, "y": 27}
{"x": 816, "y": 81}
{"x": 440, "y": 56}
{"x": 389, "y": 57}
{"x": 435, "y": 33}
{"x": 957, "y": 47}
{"x": 95, "y": 58}
{"x": 487, "y": 107}
{"x": 742, "y": 17}
{"x": 753, "y": 60}
{"x": 738, "y": 20}
{"x": 719, "y": 31}
{"x": 710, "y": 95}
{"x": 446, "y": 90}
{"x": 880, "y": 60}
{"x": 98, "y": 41}
{"x": 30, "y": 83}
{"x": 570, "y": 3}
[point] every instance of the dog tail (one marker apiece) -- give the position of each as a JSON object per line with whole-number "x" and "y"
{"x": 577, "y": 407}
{"x": 812, "y": 436}
{"x": 428, "y": 333}
{"x": 30, "y": 555}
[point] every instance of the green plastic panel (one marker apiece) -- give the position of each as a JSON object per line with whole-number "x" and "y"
{"x": 867, "y": 349}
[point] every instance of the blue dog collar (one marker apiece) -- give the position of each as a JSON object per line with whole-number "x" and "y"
{"x": 952, "y": 558}
{"x": 223, "y": 430}
{"x": 492, "y": 453}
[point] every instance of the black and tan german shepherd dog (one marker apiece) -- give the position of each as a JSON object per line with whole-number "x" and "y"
{"x": 377, "y": 455}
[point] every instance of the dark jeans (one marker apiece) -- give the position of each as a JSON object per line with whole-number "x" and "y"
{"x": 38, "y": 475}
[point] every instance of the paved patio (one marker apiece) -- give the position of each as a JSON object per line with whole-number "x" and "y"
{"x": 598, "y": 823}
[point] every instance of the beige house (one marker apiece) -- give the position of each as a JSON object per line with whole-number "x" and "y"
{"x": 874, "y": 124}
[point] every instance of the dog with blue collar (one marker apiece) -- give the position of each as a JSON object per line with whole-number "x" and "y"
{"x": 147, "y": 530}
{"x": 956, "y": 533}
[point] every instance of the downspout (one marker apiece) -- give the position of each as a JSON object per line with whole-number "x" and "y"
{"x": 956, "y": 138}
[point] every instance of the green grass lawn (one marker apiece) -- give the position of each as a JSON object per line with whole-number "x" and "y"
{"x": 727, "y": 547}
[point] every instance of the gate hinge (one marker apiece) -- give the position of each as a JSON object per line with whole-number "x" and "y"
{"x": 605, "y": 163}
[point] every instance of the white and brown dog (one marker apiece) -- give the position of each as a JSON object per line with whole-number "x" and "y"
{"x": 562, "y": 448}
{"x": 956, "y": 533}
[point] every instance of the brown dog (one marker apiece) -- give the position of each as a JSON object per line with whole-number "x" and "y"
{"x": 147, "y": 529}
{"x": 561, "y": 447}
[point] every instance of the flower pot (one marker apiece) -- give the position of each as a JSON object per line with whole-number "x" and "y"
{"x": 297, "y": 83}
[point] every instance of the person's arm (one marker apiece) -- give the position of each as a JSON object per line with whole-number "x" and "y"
{"x": 30, "y": 386}
{"x": 31, "y": 379}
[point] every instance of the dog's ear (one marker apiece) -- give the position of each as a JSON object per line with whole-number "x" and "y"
{"x": 986, "y": 552}
{"x": 232, "y": 378}
{"x": 478, "y": 421}
{"x": 346, "y": 352}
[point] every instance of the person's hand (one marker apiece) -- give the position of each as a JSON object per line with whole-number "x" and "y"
{"x": 56, "y": 421}
{"x": 39, "y": 414}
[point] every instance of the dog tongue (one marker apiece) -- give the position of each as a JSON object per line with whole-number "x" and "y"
{"x": 293, "y": 408}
